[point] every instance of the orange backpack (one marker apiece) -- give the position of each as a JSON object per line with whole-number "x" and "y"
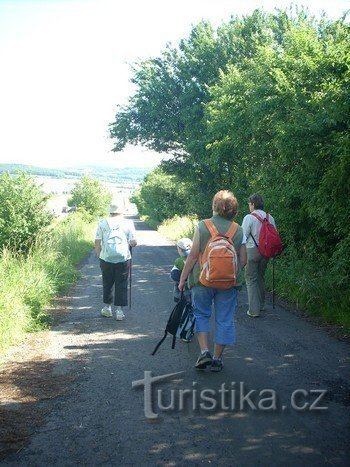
{"x": 219, "y": 259}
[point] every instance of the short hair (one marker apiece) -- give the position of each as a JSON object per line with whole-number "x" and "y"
{"x": 257, "y": 201}
{"x": 225, "y": 204}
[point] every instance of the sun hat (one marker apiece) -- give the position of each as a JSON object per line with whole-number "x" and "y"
{"x": 115, "y": 208}
{"x": 185, "y": 244}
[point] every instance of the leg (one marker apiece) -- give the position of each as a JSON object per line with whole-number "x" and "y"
{"x": 202, "y": 298}
{"x": 107, "y": 281}
{"x": 251, "y": 275}
{"x": 261, "y": 281}
{"x": 225, "y": 303}
{"x": 121, "y": 274}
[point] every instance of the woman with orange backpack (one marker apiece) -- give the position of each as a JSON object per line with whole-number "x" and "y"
{"x": 217, "y": 255}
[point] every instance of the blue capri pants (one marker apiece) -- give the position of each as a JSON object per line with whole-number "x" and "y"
{"x": 225, "y": 303}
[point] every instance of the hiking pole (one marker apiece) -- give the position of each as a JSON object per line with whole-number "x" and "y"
{"x": 130, "y": 269}
{"x": 273, "y": 283}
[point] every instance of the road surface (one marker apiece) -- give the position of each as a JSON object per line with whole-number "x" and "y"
{"x": 261, "y": 410}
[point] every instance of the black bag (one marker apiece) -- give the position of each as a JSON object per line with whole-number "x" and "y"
{"x": 180, "y": 323}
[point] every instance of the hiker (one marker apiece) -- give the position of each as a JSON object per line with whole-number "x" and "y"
{"x": 115, "y": 236}
{"x": 256, "y": 262}
{"x": 183, "y": 246}
{"x": 224, "y": 207}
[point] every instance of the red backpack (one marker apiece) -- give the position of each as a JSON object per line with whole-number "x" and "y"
{"x": 270, "y": 243}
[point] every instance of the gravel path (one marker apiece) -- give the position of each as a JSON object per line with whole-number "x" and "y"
{"x": 101, "y": 419}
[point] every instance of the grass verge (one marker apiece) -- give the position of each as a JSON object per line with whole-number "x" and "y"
{"x": 29, "y": 283}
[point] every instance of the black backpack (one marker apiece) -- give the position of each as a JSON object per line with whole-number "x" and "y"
{"x": 180, "y": 323}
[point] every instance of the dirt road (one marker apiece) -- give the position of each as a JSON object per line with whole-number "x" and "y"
{"x": 262, "y": 409}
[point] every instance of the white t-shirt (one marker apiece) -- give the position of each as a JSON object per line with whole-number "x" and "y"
{"x": 105, "y": 225}
{"x": 252, "y": 226}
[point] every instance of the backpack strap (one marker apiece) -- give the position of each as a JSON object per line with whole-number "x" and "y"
{"x": 214, "y": 231}
{"x": 211, "y": 227}
{"x": 232, "y": 230}
{"x": 257, "y": 216}
{"x": 160, "y": 343}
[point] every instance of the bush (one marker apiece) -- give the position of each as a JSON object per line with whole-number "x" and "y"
{"x": 161, "y": 197}
{"x": 90, "y": 197}
{"x": 23, "y": 212}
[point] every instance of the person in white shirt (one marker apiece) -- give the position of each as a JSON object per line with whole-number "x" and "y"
{"x": 256, "y": 263}
{"x": 115, "y": 236}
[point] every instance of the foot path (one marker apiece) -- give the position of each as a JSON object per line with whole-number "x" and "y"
{"x": 212, "y": 418}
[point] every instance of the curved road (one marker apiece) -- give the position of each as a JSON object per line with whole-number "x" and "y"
{"x": 261, "y": 410}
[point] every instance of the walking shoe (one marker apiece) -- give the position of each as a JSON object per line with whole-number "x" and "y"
{"x": 106, "y": 312}
{"x": 203, "y": 361}
{"x": 119, "y": 315}
{"x": 217, "y": 365}
{"x": 251, "y": 315}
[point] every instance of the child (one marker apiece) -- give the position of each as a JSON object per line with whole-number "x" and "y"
{"x": 184, "y": 246}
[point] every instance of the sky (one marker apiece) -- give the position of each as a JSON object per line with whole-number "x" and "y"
{"x": 65, "y": 66}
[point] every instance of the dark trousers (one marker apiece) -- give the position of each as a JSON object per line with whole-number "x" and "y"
{"x": 115, "y": 275}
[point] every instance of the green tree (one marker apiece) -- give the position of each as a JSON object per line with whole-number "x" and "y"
{"x": 23, "y": 212}
{"x": 90, "y": 196}
{"x": 161, "y": 196}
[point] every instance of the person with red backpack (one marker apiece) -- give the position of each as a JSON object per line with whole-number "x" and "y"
{"x": 263, "y": 243}
{"x": 212, "y": 267}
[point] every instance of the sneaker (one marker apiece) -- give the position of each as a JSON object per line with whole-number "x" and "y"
{"x": 217, "y": 365}
{"x": 186, "y": 340}
{"x": 203, "y": 361}
{"x": 251, "y": 315}
{"x": 106, "y": 312}
{"x": 119, "y": 315}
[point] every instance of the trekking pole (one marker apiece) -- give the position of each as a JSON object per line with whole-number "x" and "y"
{"x": 273, "y": 283}
{"x": 130, "y": 269}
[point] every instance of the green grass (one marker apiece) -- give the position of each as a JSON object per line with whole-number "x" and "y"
{"x": 28, "y": 284}
{"x": 310, "y": 288}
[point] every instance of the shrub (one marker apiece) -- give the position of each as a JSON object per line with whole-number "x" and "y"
{"x": 161, "y": 196}
{"x": 23, "y": 212}
{"x": 90, "y": 197}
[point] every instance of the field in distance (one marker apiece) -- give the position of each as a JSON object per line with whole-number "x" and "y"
{"x": 58, "y": 183}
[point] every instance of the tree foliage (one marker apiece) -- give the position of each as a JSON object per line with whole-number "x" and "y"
{"x": 23, "y": 212}
{"x": 90, "y": 196}
{"x": 161, "y": 196}
{"x": 259, "y": 105}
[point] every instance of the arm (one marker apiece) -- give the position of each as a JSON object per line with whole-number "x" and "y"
{"x": 246, "y": 226}
{"x": 242, "y": 255}
{"x": 191, "y": 260}
{"x": 98, "y": 247}
{"x": 131, "y": 235}
{"x": 98, "y": 240}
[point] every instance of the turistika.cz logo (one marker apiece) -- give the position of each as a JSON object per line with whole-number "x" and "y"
{"x": 231, "y": 397}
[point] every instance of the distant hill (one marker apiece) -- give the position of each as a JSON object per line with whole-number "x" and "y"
{"x": 108, "y": 174}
